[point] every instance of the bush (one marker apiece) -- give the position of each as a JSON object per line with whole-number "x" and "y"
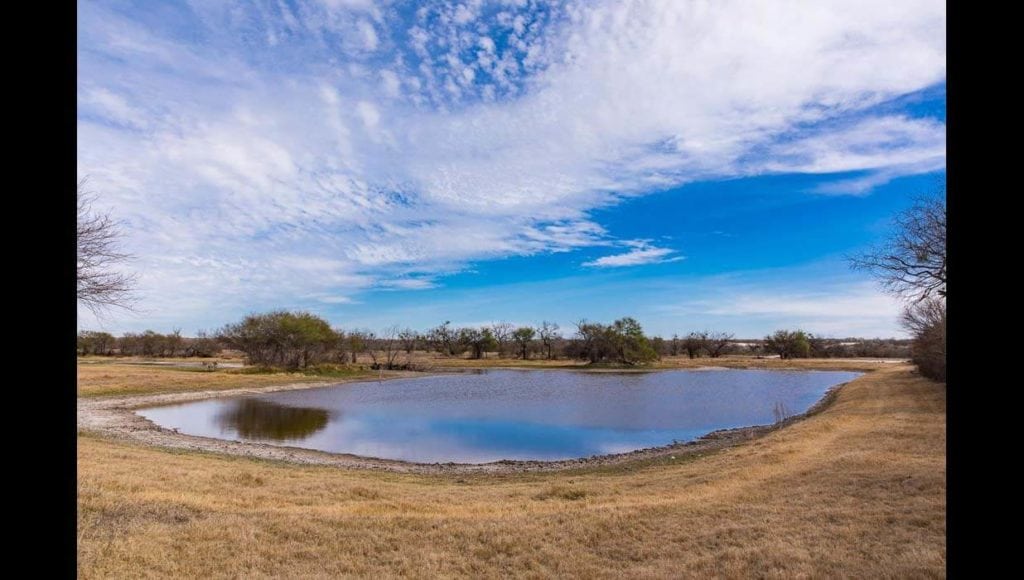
{"x": 292, "y": 340}
{"x": 788, "y": 344}
{"x": 92, "y": 342}
{"x": 623, "y": 342}
{"x": 202, "y": 345}
{"x": 927, "y": 321}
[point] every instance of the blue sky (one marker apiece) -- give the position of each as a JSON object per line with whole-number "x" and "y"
{"x": 694, "y": 165}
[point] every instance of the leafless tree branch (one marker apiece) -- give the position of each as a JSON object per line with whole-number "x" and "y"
{"x": 912, "y": 262}
{"x": 100, "y": 285}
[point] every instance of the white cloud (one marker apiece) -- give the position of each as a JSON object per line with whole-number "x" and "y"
{"x": 335, "y": 299}
{"x": 369, "y": 113}
{"x": 369, "y": 35}
{"x": 875, "y": 143}
{"x": 408, "y": 283}
{"x": 642, "y": 253}
{"x": 390, "y": 83}
{"x": 858, "y": 309}
{"x": 114, "y": 107}
{"x": 255, "y": 158}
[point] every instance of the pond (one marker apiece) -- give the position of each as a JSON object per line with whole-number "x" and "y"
{"x": 484, "y": 416}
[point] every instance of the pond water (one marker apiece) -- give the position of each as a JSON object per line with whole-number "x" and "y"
{"x": 478, "y": 417}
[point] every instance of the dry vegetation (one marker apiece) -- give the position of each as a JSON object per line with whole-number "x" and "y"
{"x": 119, "y": 378}
{"x": 857, "y": 490}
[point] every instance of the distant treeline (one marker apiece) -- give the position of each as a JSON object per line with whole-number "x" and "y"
{"x": 299, "y": 339}
{"x": 148, "y": 343}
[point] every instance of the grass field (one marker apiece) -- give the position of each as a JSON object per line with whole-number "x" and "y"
{"x": 857, "y": 490}
{"x": 119, "y": 378}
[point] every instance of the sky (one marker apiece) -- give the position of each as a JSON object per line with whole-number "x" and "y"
{"x": 692, "y": 164}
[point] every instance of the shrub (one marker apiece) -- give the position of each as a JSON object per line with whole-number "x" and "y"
{"x": 292, "y": 340}
{"x": 927, "y": 321}
{"x": 788, "y": 344}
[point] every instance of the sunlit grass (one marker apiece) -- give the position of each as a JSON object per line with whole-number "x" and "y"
{"x": 857, "y": 490}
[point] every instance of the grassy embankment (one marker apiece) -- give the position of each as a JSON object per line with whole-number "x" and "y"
{"x": 857, "y": 490}
{"x": 112, "y": 377}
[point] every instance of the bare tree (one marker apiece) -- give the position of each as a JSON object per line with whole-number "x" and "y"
{"x": 696, "y": 344}
{"x": 927, "y": 321}
{"x": 445, "y": 339}
{"x": 588, "y": 340}
{"x": 547, "y": 332}
{"x": 502, "y": 332}
{"x": 912, "y": 265}
{"x": 100, "y": 285}
{"x": 410, "y": 339}
{"x": 674, "y": 345}
{"x": 387, "y": 343}
{"x": 718, "y": 343}
{"x": 924, "y": 315}
{"x": 358, "y": 342}
{"x": 912, "y": 262}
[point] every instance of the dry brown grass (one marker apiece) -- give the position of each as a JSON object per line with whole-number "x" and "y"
{"x": 857, "y": 490}
{"x": 118, "y": 378}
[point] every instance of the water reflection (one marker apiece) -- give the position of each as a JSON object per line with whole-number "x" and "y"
{"x": 256, "y": 419}
{"x": 506, "y": 414}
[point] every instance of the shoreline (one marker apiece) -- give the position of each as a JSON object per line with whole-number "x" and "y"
{"x": 115, "y": 418}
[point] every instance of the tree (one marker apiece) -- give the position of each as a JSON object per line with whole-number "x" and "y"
{"x": 788, "y": 344}
{"x": 911, "y": 263}
{"x": 409, "y": 338}
{"x": 660, "y": 346}
{"x": 588, "y": 338}
{"x": 523, "y": 338}
{"x": 674, "y": 345}
{"x": 284, "y": 339}
{"x": 927, "y": 322}
{"x": 387, "y": 345}
{"x": 632, "y": 346}
{"x": 547, "y": 332}
{"x": 622, "y": 341}
{"x": 478, "y": 340}
{"x": 718, "y": 343}
{"x": 502, "y": 332}
{"x": 92, "y": 342}
{"x": 445, "y": 339}
{"x": 695, "y": 344}
{"x": 100, "y": 284}
{"x": 173, "y": 343}
{"x": 202, "y": 345}
{"x": 358, "y": 342}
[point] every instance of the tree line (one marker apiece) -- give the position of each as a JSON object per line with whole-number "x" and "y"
{"x": 148, "y": 343}
{"x": 299, "y": 340}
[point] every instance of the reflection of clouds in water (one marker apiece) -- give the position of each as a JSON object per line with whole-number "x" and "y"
{"x": 256, "y": 419}
{"x": 410, "y": 439}
{"x": 477, "y": 441}
{"x": 496, "y": 415}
